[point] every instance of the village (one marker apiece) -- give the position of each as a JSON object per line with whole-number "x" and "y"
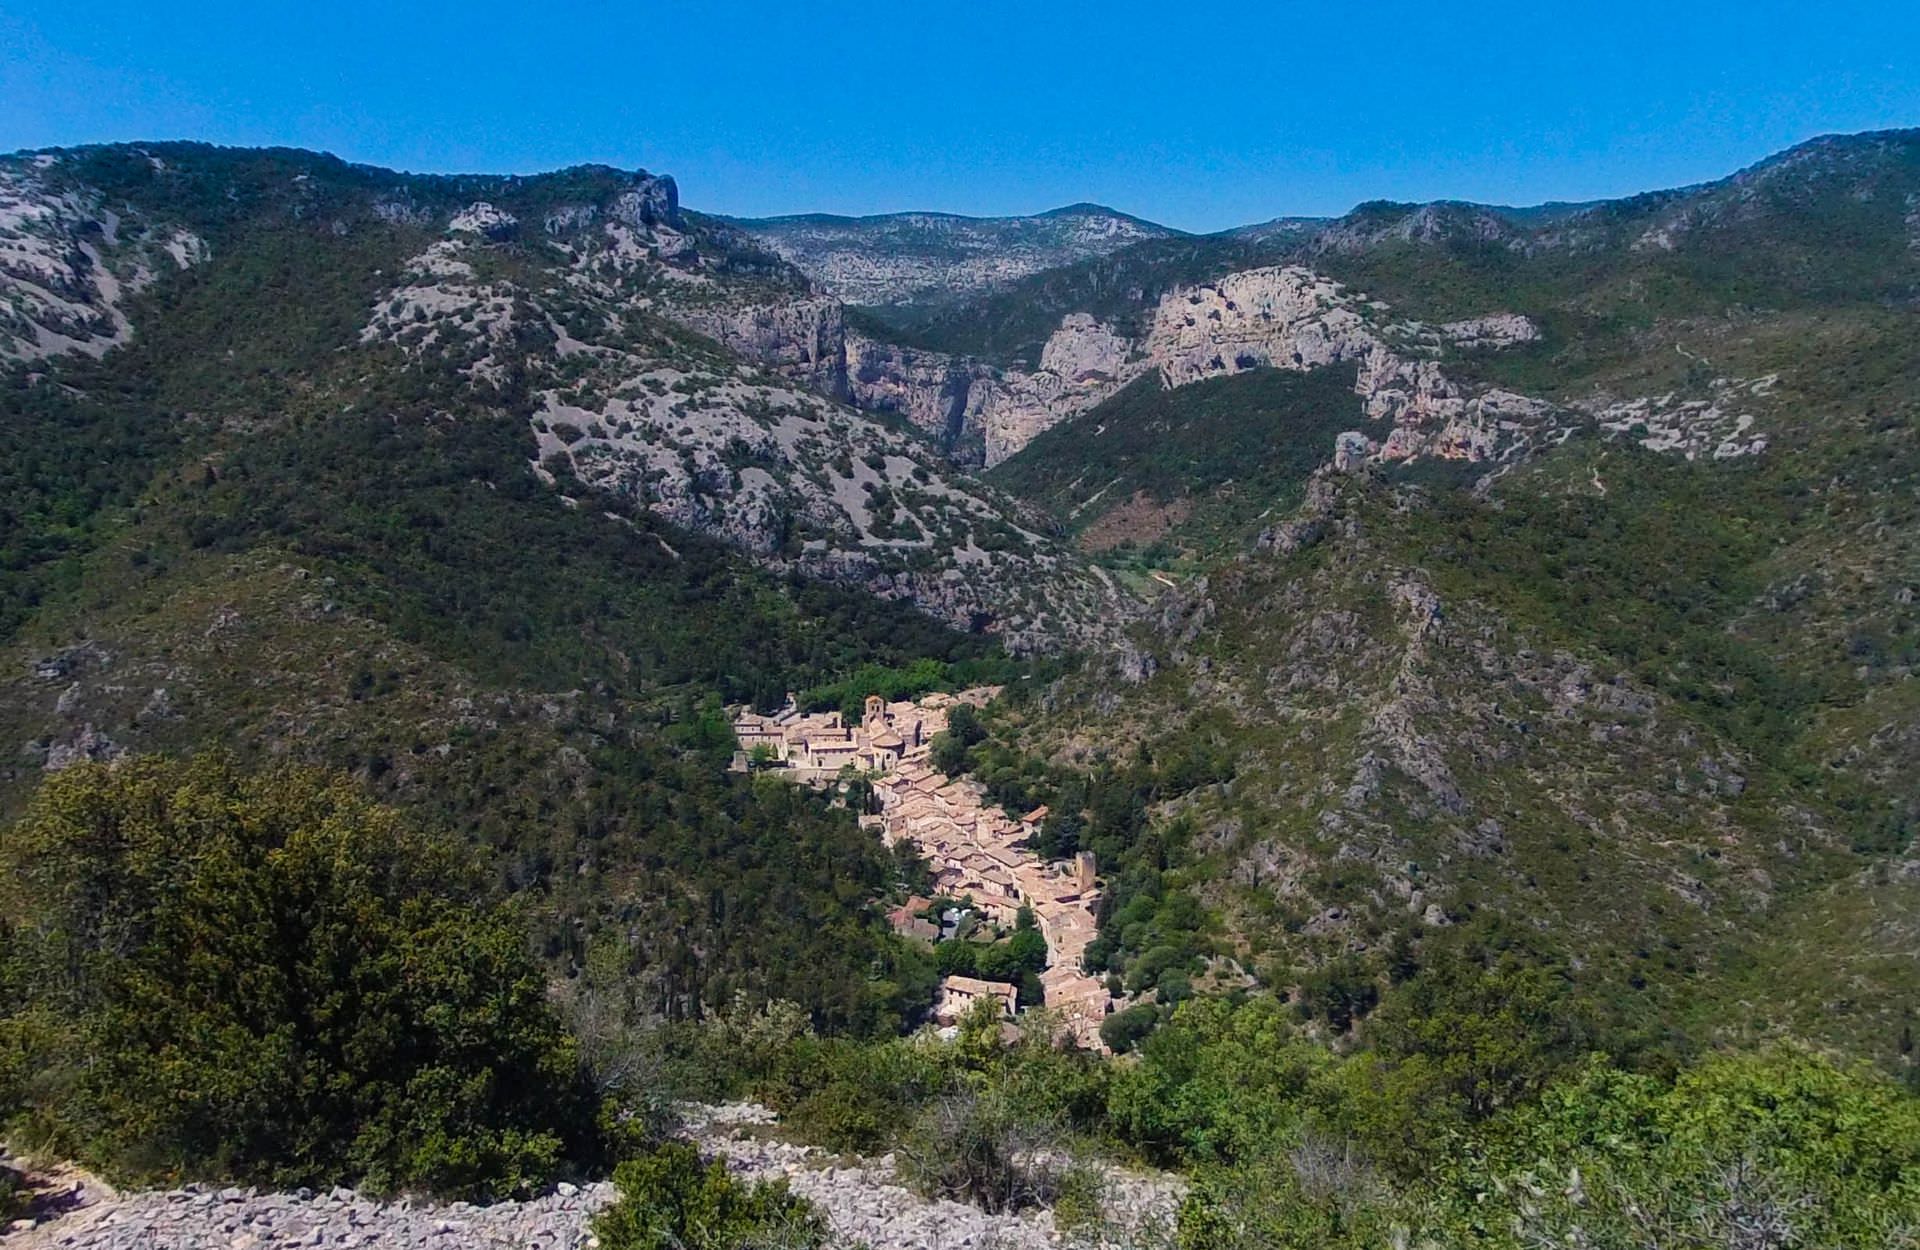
{"x": 976, "y": 851}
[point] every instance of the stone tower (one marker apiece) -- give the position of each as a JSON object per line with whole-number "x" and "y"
{"x": 1083, "y": 871}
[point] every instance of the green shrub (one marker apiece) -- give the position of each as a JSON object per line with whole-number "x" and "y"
{"x": 1782, "y": 1148}
{"x": 1079, "y": 1207}
{"x": 670, "y": 1200}
{"x": 1272, "y": 1206}
{"x": 14, "y": 1193}
{"x": 274, "y": 980}
{"x": 852, "y": 1097}
{"x": 1123, "y": 1030}
{"x": 985, "y": 1148}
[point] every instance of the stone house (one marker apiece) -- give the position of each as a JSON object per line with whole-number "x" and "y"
{"x": 958, "y": 994}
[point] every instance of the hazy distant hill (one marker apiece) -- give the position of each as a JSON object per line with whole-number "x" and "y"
{"x": 903, "y": 258}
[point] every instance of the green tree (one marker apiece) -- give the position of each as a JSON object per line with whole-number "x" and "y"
{"x": 1123, "y": 1030}
{"x": 948, "y": 754}
{"x": 272, "y": 979}
{"x": 1465, "y": 1039}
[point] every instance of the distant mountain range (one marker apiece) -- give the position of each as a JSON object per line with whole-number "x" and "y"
{"x": 896, "y": 258}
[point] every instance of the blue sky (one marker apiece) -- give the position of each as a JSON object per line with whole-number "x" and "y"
{"x": 1198, "y": 115}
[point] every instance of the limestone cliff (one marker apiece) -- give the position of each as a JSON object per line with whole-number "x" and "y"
{"x": 762, "y": 454}
{"x": 1284, "y": 317}
{"x": 940, "y": 394}
{"x": 801, "y": 339}
{"x": 1083, "y": 363}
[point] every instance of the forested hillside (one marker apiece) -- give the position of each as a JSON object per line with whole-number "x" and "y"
{"x": 248, "y": 528}
{"x": 1477, "y": 647}
{"x": 1638, "y": 683}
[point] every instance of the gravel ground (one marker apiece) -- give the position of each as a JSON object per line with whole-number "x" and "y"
{"x": 861, "y": 1198}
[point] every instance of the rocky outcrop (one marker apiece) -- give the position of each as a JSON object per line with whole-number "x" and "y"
{"x": 1720, "y": 425}
{"x": 68, "y": 263}
{"x": 971, "y": 411}
{"x": 1290, "y": 318}
{"x": 1082, "y": 363}
{"x": 1351, "y": 449}
{"x": 84, "y": 745}
{"x": 1285, "y": 317}
{"x": 485, "y": 220}
{"x": 802, "y": 340}
{"x": 941, "y": 395}
{"x": 1498, "y": 330}
{"x": 652, "y": 200}
{"x": 765, "y": 459}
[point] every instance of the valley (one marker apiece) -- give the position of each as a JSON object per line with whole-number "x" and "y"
{"x": 1309, "y": 734}
{"x": 978, "y": 854}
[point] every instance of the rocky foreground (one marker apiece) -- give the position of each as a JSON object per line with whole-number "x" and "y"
{"x": 861, "y": 1198}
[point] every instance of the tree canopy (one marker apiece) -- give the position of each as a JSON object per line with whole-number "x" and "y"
{"x": 272, "y": 978}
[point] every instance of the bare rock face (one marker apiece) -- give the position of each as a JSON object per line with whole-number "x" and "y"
{"x": 1351, "y": 449}
{"x": 1083, "y": 351}
{"x": 1285, "y": 317}
{"x": 68, "y": 262}
{"x": 938, "y": 393}
{"x": 1293, "y": 318}
{"x": 802, "y": 340}
{"x": 653, "y": 200}
{"x": 485, "y": 220}
{"x": 1498, "y": 330}
{"x": 1082, "y": 363}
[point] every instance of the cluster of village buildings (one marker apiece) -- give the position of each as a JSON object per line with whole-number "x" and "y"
{"x": 976, "y": 850}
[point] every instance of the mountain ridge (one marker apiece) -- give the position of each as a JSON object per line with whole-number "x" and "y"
{"x": 1079, "y": 208}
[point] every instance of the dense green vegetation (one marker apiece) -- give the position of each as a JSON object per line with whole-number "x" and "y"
{"x": 909, "y": 681}
{"x": 1215, "y": 456}
{"x": 246, "y": 489}
{"x": 1474, "y": 1115}
{"x": 268, "y": 978}
{"x": 439, "y": 535}
{"x": 271, "y": 979}
{"x": 1154, "y": 934}
{"x": 1780, "y": 1148}
{"x": 670, "y": 1200}
{"x": 1820, "y": 225}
